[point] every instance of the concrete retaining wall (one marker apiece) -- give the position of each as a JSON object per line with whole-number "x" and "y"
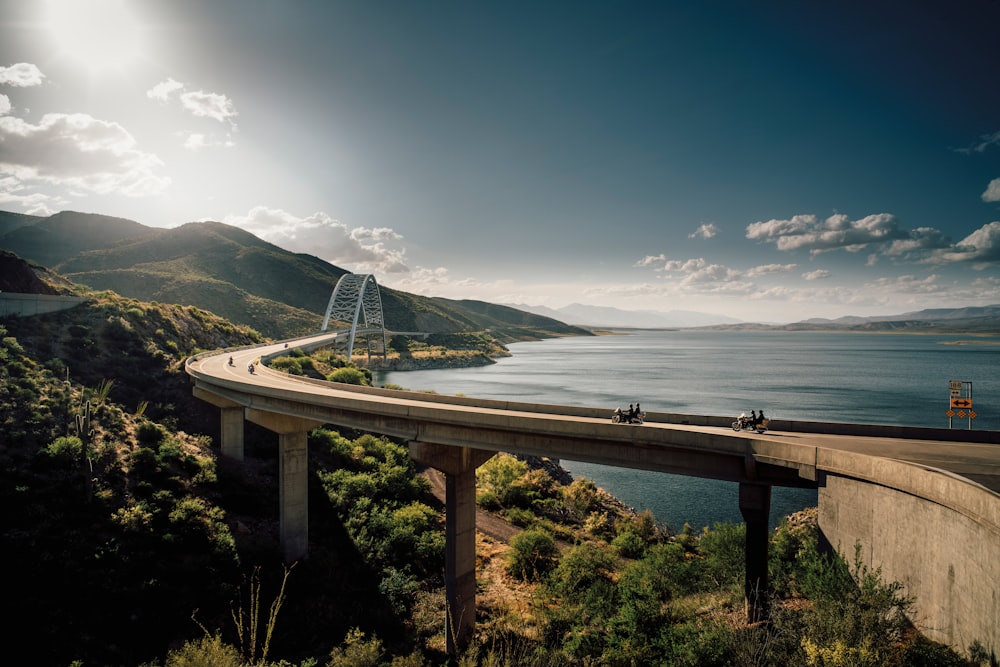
{"x": 936, "y": 533}
{"x": 24, "y": 305}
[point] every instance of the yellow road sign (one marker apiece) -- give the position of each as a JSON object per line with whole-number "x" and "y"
{"x": 961, "y": 402}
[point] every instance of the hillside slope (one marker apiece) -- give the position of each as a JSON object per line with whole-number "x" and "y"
{"x": 236, "y": 275}
{"x": 52, "y": 240}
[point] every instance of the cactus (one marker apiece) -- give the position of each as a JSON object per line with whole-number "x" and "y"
{"x": 83, "y": 429}
{"x": 86, "y": 432}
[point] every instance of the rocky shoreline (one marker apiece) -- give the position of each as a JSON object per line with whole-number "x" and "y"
{"x": 430, "y": 362}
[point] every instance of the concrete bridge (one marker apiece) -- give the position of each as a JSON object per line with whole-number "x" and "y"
{"x": 922, "y": 503}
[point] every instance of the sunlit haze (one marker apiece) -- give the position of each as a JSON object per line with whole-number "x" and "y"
{"x": 764, "y": 161}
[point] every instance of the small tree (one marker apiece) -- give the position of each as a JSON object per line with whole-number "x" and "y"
{"x": 532, "y": 554}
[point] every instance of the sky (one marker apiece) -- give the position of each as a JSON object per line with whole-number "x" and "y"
{"x": 769, "y": 161}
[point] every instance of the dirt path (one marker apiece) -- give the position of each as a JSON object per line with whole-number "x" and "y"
{"x": 486, "y": 523}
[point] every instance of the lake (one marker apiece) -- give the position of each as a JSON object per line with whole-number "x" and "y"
{"x": 871, "y": 378}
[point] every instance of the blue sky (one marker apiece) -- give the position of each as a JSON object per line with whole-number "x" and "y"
{"x": 766, "y": 161}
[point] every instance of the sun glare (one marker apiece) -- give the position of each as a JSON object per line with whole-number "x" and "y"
{"x": 96, "y": 34}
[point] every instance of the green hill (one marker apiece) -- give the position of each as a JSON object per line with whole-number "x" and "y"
{"x": 234, "y": 274}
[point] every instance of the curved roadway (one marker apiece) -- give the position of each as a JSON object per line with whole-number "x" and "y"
{"x": 570, "y": 431}
{"x": 923, "y": 503}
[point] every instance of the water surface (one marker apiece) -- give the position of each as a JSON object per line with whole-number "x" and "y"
{"x": 833, "y": 377}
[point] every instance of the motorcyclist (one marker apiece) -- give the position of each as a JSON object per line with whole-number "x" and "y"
{"x": 231, "y": 361}
{"x": 753, "y": 419}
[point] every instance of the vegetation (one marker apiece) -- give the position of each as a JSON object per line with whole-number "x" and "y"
{"x": 130, "y": 543}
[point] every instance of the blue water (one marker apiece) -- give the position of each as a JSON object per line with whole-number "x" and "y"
{"x": 833, "y": 377}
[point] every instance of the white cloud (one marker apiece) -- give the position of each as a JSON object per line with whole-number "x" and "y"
{"x": 984, "y": 142}
{"x": 80, "y": 152}
{"x": 4, "y": 105}
{"x": 981, "y": 248}
{"x": 818, "y": 274}
{"x": 704, "y": 231}
{"x": 200, "y": 104}
{"x": 917, "y": 242}
{"x": 197, "y": 141}
{"x": 768, "y": 269}
{"x": 992, "y": 193}
{"x": 163, "y": 90}
{"x": 361, "y": 250}
{"x": 837, "y": 232}
{"x": 21, "y": 75}
{"x": 650, "y": 260}
{"x": 699, "y": 275}
{"x": 210, "y": 105}
{"x": 908, "y": 284}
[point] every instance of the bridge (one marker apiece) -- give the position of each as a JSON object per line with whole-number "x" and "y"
{"x": 923, "y": 503}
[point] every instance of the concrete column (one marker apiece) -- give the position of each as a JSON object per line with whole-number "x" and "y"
{"x": 293, "y": 478}
{"x": 460, "y": 557}
{"x": 459, "y": 466}
{"x": 755, "y": 506}
{"x": 232, "y": 433}
{"x": 293, "y": 474}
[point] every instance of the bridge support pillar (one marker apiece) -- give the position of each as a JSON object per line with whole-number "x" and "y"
{"x": 231, "y": 426}
{"x": 293, "y": 479}
{"x": 755, "y": 506}
{"x": 459, "y": 466}
{"x": 232, "y": 433}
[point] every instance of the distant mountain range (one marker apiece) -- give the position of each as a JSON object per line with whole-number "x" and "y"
{"x": 616, "y": 318}
{"x": 971, "y": 319}
{"x": 232, "y": 273}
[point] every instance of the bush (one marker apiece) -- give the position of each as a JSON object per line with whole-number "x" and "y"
{"x": 724, "y": 550}
{"x": 68, "y": 448}
{"x": 205, "y": 652}
{"x": 532, "y": 554}
{"x": 349, "y": 375}
{"x": 507, "y": 481}
{"x": 629, "y": 544}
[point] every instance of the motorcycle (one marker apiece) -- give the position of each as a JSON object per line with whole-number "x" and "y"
{"x": 743, "y": 423}
{"x": 621, "y": 417}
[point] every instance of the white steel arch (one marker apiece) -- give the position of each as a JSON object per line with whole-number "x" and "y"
{"x": 356, "y": 296}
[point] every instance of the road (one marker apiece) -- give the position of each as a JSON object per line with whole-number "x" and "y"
{"x": 979, "y": 462}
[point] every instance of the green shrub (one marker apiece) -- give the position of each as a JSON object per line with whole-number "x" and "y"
{"x": 68, "y": 448}
{"x": 579, "y": 569}
{"x": 629, "y": 544}
{"x": 580, "y": 497}
{"x": 500, "y": 476}
{"x": 204, "y": 652}
{"x": 520, "y": 517}
{"x": 858, "y": 624}
{"x": 356, "y": 651}
{"x": 349, "y": 375}
{"x": 150, "y": 435}
{"x": 724, "y": 550}
{"x": 532, "y": 554}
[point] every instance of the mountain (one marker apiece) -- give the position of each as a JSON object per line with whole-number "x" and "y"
{"x": 11, "y": 221}
{"x": 238, "y": 276}
{"x": 52, "y": 240}
{"x": 604, "y": 316}
{"x": 968, "y": 319}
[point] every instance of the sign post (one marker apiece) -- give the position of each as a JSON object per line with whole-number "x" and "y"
{"x": 960, "y": 395}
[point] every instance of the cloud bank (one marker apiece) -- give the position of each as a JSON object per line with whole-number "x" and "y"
{"x": 359, "y": 250}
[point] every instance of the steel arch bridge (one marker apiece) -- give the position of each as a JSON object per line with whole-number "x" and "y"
{"x": 356, "y": 298}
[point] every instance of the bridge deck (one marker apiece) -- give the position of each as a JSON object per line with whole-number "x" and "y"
{"x": 572, "y": 429}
